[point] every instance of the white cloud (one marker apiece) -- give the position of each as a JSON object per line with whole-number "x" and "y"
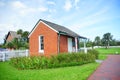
{"x": 51, "y": 3}
{"x": 52, "y": 10}
{"x": 23, "y": 9}
{"x": 18, "y": 5}
{"x": 91, "y": 19}
{"x": 76, "y": 1}
{"x": 4, "y": 28}
{"x": 7, "y": 27}
{"x": 42, "y": 9}
{"x": 97, "y": 14}
{"x": 87, "y": 23}
{"x": 26, "y": 11}
{"x": 76, "y": 4}
{"x": 67, "y": 5}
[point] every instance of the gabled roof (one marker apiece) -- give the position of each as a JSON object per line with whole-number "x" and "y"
{"x": 13, "y": 34}
{"x": 58, "y": 28}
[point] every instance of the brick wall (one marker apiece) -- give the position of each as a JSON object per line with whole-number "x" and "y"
{"x": 9, "y": 39}
{"x": 63, "y": 44}
{"x": 50, "y": 40}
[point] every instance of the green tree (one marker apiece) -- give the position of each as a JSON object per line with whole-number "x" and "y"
{"x": 25, "y": 36}
{"x": 23, "y": 42}
{"x": 97, "y": 41}
{"x": 17, "y": 43}
{"x": 113, "y": 42}
{"x": 107, "y": 37}
{"x": 89, "y": 43}
{"x": 9, "y": 45}
{"x": 81, "y": 44}
{"x": 20, "y": 31}
{"x": 118, "y": 43}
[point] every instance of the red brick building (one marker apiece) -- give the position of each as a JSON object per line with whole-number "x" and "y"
{"x": 48, "y": 38}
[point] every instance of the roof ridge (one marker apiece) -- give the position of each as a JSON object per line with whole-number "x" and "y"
{"x": 51, "y": 22}
{"x": 59, "y": 26}
{"x": 12, "y": 31}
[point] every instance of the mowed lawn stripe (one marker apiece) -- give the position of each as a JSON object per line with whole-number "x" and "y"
{"x": 65, "y": 73}
{"x": 105, "y": 52}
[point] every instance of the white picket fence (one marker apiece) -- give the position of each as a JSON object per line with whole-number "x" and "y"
{"x": 6, "y": 55}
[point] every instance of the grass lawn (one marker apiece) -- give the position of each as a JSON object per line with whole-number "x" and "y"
{"x": 7, "y": 72}
{"x": 104, "y": 52}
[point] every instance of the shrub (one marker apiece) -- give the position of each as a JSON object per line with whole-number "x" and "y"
{"x": 60, "y": 60}
{"x": 94, "y": 52}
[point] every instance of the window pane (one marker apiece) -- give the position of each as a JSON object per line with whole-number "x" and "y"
{"x": 41, "y": 43}
{"x": 42, "y": 46}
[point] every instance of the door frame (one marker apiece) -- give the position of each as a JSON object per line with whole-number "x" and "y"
{"x": 69, "y": 44}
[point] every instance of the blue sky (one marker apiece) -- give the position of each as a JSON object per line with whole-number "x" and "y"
{"x": 89, "y": 18}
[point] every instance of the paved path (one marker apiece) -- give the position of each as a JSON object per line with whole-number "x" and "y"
{"x": 108, "y": 70}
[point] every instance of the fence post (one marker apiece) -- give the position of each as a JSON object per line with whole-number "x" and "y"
{"x": 3, "y": 59}
{"x": 26, "y": 52}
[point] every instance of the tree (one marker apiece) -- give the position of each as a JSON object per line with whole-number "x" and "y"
{"x": 89, "y": 43}
{"x": 113, "y": 42}
{"x": 19, "y": 43}
{"x": 25, "y": 36}
{"x": 2, "y": 45}
{"x": 15, "y": 43}
{"x": 97, "y": 41}
{"x": 81, "y": 44}
{"x": 20, "y": 31}
{"x": 23, "y": 41}
{"x": 107, "y": 37}
{"x": 9, "y": 45}
{"x": 118, "y": 43}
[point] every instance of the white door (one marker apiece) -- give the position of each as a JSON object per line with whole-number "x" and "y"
{"x": 69, "y": 44}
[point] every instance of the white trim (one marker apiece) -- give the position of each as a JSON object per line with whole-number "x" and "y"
{"x": 37, "y": 26}
{"x": 39, "y": 41}
{"x": 41, "y": 51}
{"x": 69, "y": 44}
{"x": 76, "y": 46}
{"x": 85, "y": 49}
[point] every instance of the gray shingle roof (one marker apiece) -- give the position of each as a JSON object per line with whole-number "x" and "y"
{"x": 62, "y": 29}
{"x": 14, "y": 34}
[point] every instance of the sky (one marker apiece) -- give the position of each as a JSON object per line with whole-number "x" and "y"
{"x": 88, "y": 18}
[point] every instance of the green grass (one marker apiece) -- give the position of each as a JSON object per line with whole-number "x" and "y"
{"x": 7, "y": 72}
{"x": 105, "y": 52}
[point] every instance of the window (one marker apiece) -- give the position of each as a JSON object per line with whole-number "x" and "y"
{"x": 41, "y": 43}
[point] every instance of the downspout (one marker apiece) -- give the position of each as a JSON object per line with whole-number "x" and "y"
{"x": 58, "y": 43}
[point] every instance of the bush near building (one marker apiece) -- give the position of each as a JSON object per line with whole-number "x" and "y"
{"x": 60, "y": 60}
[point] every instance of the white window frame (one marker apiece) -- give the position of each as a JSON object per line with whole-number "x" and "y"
{"x": 40, "y": 50}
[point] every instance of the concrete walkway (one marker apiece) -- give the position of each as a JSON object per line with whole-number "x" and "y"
{"x": 108, "y": 70}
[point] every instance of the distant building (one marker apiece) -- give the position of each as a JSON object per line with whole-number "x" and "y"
{"x": 11, "y": 36}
